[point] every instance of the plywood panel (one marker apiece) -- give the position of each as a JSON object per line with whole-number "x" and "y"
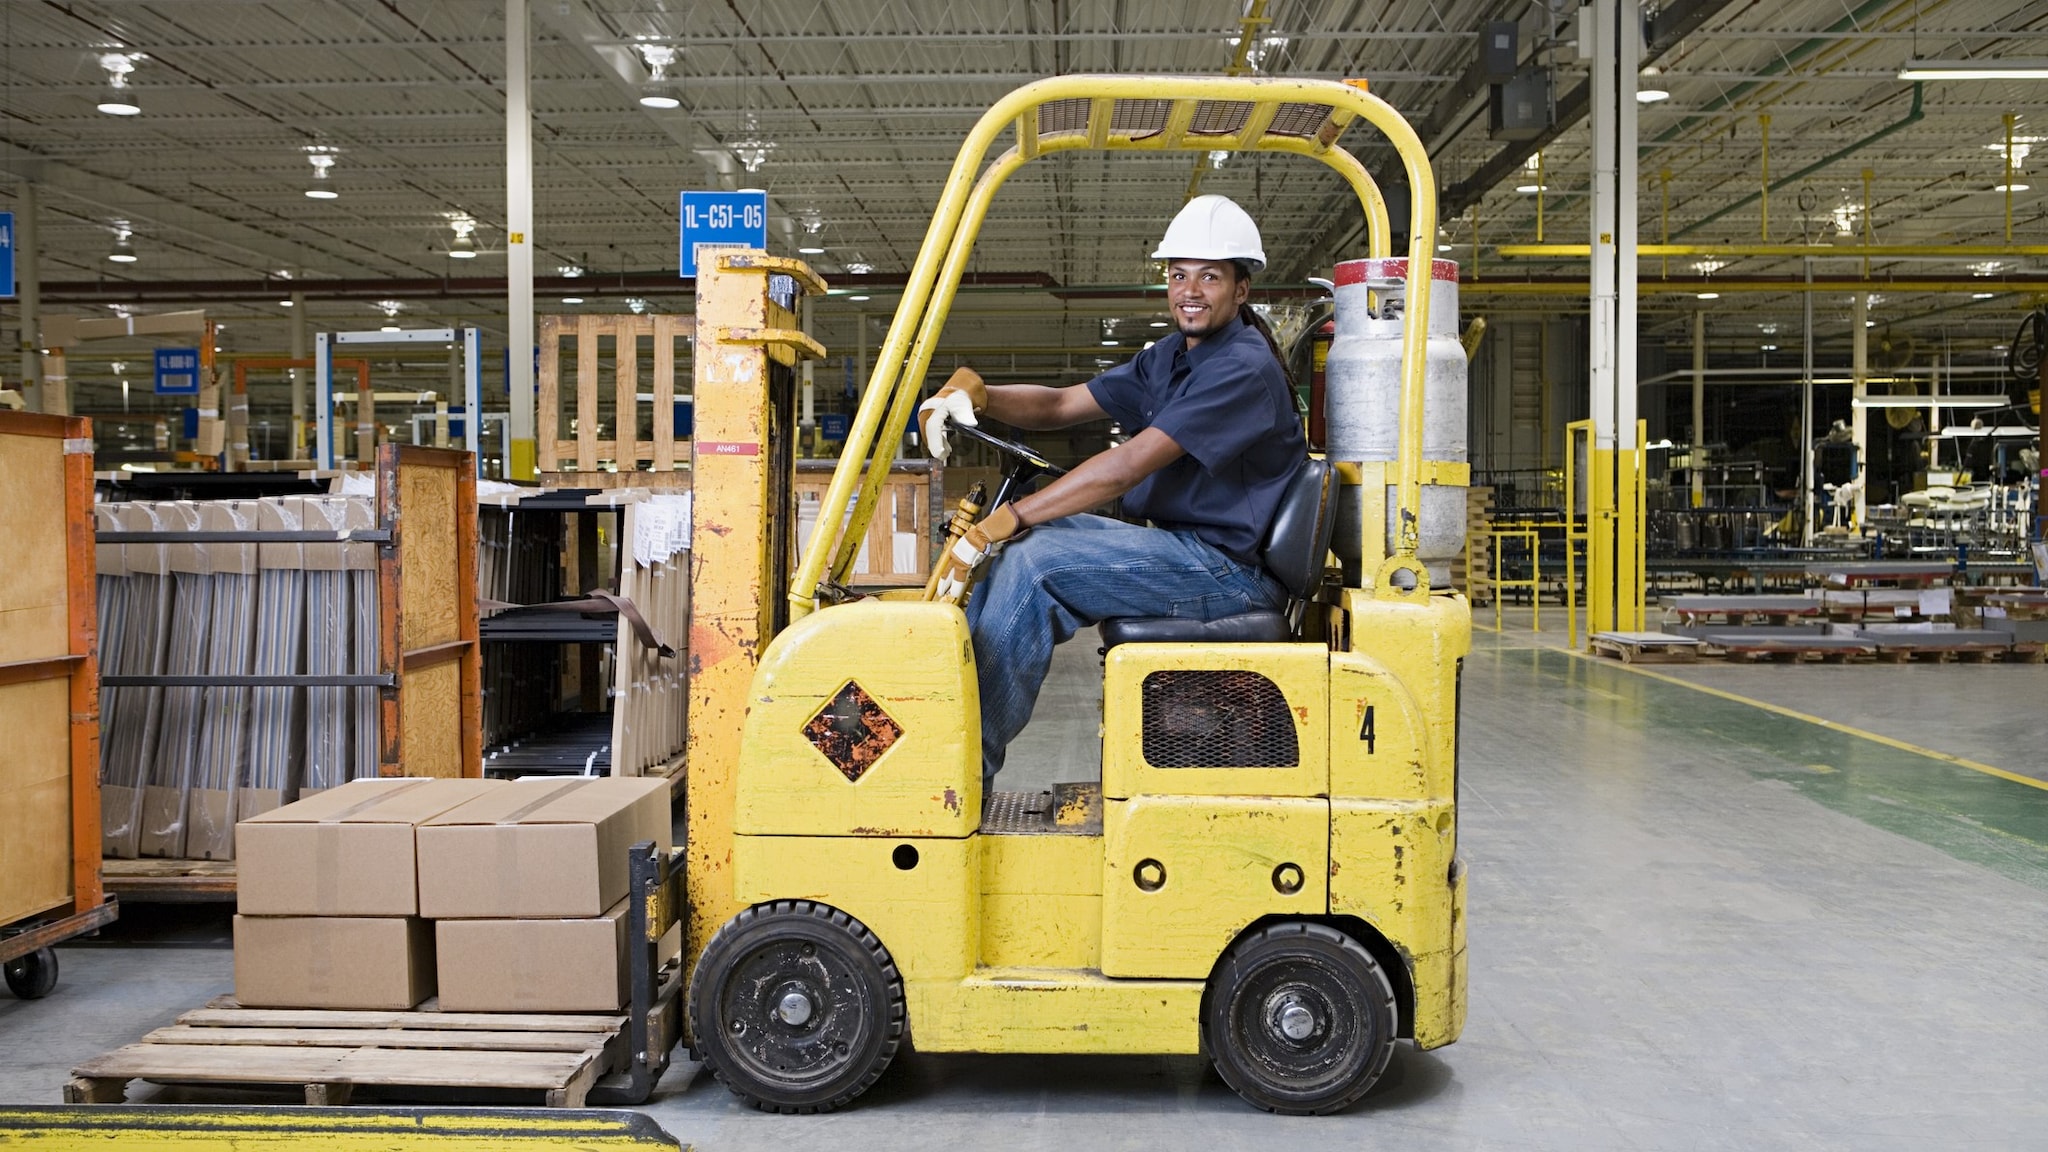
{"x": 427, "y": 557}
{"x": 35, "y": 797}
{"x": 430, "y": 716}
{"x": 32, "y": 618}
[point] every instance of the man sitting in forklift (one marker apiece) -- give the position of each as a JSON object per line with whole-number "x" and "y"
{"x": 1215, "y": 440}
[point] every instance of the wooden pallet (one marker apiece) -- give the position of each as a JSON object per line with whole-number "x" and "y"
{"x": 330, "y": 1054}
{"x": 166, "y": 881}
{"x": 1646, "y": 647}
{"x": 1472, "y": 571}
{"x": 1923, "y": 654}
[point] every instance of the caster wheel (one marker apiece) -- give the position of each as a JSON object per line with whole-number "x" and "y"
{"x": 1299, "y": 1019}
{"x": 797, "y": 1007}
{"x": 31, "y": 977}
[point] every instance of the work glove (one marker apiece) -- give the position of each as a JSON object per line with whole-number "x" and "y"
{"x": 959, "y": 399}
{"x": 972, "y": 548}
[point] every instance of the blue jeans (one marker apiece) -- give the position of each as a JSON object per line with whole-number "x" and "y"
{"x": 1067, "y": 574}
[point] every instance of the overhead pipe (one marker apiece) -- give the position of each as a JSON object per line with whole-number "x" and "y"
{"x": 1912, "y": 116}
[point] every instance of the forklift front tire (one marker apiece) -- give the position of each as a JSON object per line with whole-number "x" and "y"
{"x": 796, "y": 1006}
{"x": 1299, "y": 1019}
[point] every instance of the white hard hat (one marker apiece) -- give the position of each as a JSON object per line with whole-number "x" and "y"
{"x": 1212, "y": 228}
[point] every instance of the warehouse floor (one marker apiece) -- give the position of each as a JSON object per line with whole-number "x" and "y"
{"x": 1694, "y": 922}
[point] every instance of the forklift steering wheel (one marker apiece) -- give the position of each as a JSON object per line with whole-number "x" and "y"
{"x": 1028, "y": 461}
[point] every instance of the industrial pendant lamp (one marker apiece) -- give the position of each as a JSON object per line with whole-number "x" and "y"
{"x": 322, "y": 159}
{"x": 659, "y": 58}
{"x": 124, "y": 249}
{"x": 121, "y": 100}
{"x": 463, "y": 247}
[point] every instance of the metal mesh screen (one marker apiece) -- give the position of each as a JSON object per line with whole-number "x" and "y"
{"x": 1298, "y": 119}
{"x": 1219, "y": 117}
{"x": 1058, "y": 116}
{"x": 1217, "y": 720}
{"x": 1140, "y": 117}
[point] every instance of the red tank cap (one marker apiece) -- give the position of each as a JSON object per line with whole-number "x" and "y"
{"x": 1391, "y": 268}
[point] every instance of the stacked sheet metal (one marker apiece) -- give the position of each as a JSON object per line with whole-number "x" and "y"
{"x": 181, "y": 763}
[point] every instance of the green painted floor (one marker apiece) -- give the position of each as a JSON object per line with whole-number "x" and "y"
{"x": 1972, "y": 815}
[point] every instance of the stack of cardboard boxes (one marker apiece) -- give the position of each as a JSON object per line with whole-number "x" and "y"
{"x": 507, "y": 897}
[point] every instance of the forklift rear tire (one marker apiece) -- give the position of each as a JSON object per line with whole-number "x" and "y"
{"x": 797, "y": 1007}
{"x": 1299, "y": 1019}
{"x": 31, "y": 977}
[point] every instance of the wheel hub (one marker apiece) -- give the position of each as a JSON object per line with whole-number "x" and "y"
{"x": 1295, "y": 1020}
{"x": 794, "y": 1008}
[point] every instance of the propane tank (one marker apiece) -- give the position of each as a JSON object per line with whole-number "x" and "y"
{"x": 1362, "y": 399}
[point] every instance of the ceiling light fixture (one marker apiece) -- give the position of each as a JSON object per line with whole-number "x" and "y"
{"x": 1974, "y": 70}
{"x": 1651, "y": 89}
{"x": 1982, "y": 295}
{"x": 124, "y": 251}
{"x": 856, "y": 299}
{"x": 1159, "y": 324}
{"x": 659, "y": 58}
{"x": 1527, "y": 189}
{"x": 1708, "y": 296}
{"x": 751, "y": 149}
{"x": 121, "y": 101}
{"x": 322, "y": 159}
{"x": 284, "y": 303}
{"x": 572, "y": 299}
{"x": 2015, "y": 186}
{"x": 463, "y": 247}
{"x": 858, "y": 267}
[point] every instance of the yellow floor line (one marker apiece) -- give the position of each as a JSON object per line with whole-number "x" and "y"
{"x": 1831, "y": 725}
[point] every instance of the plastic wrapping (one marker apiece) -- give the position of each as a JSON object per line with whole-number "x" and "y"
{"x": 341, "y": 639}
{"x": 131, "y": 718}
{"x": 650, "y": 694}
{"x": 222, "y": 754}
{"x": 167, "y": 783}
{"x": 180, "y": 765}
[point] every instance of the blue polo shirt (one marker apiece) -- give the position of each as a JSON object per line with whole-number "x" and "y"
{"x": 1227, "y": 404}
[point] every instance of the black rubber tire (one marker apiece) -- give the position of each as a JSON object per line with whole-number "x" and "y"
{"x": 1350, "y": 1006}
{"x": 31, "y": 977}
{"x": 854, "y": 1029}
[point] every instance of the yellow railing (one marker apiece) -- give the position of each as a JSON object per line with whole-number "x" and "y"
{"x": 1141, "y": 113}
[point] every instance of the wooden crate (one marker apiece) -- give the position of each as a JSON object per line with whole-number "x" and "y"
{"x": 577, "y": 462}
{"x": 328, "y": 1054}
{"x": 49, "y": 675}
{"x": 432, "y": 713}
{"x": 909, "y": 503}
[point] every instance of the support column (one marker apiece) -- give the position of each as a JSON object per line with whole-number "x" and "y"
{"x": 1807, "y": 478}
{"x": 1859, "y": 378}
{"x": 1614, "y": 574}
{"x": 299, "y": 352}
{"x": 28, "y": 272}
{"x": 1699, "y": 409}
{"x": 519, "y": 243}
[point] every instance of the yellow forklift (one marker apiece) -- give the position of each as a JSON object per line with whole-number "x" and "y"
{"x": 1265, "y": 873}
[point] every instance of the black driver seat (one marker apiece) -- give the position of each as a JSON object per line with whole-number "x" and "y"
{"x": 1293, "y": 552}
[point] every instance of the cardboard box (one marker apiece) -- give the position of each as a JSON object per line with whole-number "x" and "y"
{"x": 540, "y": 848}
{"x": 561, "y": 965}
{"x": 347, "y": 851}
{"x": 364, "y": 962}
